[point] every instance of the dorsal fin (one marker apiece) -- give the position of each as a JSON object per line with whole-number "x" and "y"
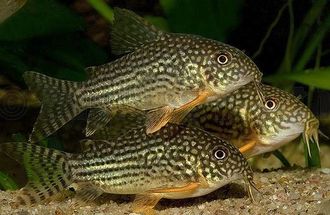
{"x": 130, "y": 31}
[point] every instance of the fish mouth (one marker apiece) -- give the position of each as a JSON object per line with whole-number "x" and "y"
{"x": 235, "y": 85}
{"x": 255, "y": 73}
{"x": 311, "y": 134}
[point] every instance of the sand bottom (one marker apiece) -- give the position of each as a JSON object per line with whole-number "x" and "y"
{"x": 297, "y": 191}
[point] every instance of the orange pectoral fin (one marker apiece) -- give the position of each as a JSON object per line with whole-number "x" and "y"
{"x": 144, "y": 203}
{"x": 248, "y": 146}
{"x": 188, "y": 188}
{"x": 157, "y": 118}
{"x": 179, "y": 113}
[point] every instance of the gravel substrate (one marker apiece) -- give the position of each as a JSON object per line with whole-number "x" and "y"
{"x": 297, "y": 191}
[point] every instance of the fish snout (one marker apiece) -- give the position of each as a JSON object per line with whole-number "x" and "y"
{"x": 253, "y": 72}
{"x": 257, "y": 75}
{"x": 252, "y": 75}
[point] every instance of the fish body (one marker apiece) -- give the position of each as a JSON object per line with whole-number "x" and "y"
{"x": 264, "y": 119}
{"x": 168, "y": 71}
{"x": 175, "y": 162}
{"x": 166, "y": 74}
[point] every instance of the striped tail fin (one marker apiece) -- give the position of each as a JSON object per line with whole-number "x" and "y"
{"x": 59, "y": 103}
{"x": 47, "y": 170}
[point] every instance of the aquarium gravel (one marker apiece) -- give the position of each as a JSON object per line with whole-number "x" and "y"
{"x": 298, "y": 191}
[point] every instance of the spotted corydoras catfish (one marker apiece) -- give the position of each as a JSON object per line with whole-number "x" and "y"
{"x": 175, "y": 162}
{"x": 166, "y": 74}
{"x": 257, "y": 121}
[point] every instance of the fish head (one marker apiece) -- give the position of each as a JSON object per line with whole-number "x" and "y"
{"x": 226, "y": 68}
{"x": 226, "y": 164}
{"x": 277, "y": 117}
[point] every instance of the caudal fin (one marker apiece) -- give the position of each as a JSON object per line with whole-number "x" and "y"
{"x": 47, "y": 170}
{"x": 59, "y": 103}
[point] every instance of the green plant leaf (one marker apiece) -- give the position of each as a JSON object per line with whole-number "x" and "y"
{"x": 40, "y": 17}
{"x": 6, "y": 182}
{"x": 313, "y": 44}
{"x": 319, "y": 78}
{"x": 63, "y": 56}
{"x": 211, "y": 18}
{"x": 67, "y": 56}
{"x": 19, "y": 137}
{"x": 158, "y": 21}
{"x": 305, "y": 27}
{"x": 103, "y": 9}
{"x": 278, "y": 154}
{"x": 11, "y": 58}
{"x": 314, "y": 160}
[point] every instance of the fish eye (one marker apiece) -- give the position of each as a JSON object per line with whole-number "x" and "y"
{"x": 270, "y": 104}
{"x": 223, "y": 58}
{"x": 220, "y": 154}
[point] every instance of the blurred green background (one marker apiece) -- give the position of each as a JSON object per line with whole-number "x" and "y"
{"x": 288, "y": 40}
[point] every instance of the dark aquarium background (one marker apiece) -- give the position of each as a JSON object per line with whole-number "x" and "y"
{"x": 289, "y": 40}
